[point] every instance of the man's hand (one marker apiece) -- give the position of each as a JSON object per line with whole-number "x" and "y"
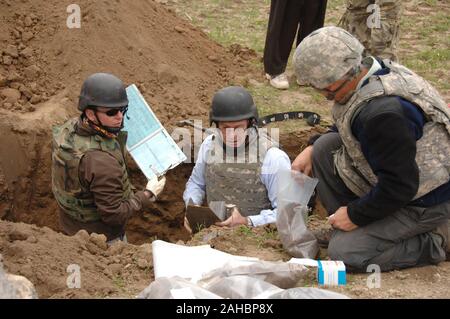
{"x": 340, "y": 220}
{"x": 156, "y": 186}
{"x": 235, "y": 219}
{"x": 303, "y": 162}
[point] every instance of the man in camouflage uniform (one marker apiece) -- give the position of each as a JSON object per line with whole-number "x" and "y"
{"x": 376, "y": 24}
{"x": 384, "y": 169}
{"x": 89, "y": 173}
{"x": 238, "y": 163}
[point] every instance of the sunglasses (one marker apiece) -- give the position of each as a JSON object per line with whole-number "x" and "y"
{"x": 114, "y": 112}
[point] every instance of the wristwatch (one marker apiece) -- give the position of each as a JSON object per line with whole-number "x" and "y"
{"x": 249, "y": 222}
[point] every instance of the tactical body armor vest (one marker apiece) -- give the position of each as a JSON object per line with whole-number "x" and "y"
{"x": 237, "y": 179}
{"x": 68, "y": 149}
{"x": 433, "y": 148}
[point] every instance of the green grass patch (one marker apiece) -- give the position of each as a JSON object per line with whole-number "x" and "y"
{"x": 119, "y": 282}
{"x": 245, "y": 231}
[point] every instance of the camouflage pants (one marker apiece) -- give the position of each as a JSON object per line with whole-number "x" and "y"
{"x": 380, "y": 38}
{"x": 404, "y": 239}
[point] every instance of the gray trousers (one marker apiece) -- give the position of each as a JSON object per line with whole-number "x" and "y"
{"x": 403, "y": 239}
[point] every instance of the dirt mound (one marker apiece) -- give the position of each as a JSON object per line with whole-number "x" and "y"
{"x": 105, "y": 271}
{"x": 25, "y": 156}
{"x": 43, "y": 64}
{"x": 174, "y": 64}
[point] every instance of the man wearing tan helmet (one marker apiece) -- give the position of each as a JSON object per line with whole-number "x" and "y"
{"x": 384, "y": 170}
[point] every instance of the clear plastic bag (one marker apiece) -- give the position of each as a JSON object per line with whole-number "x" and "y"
{"x": 307, "y": 293}
{"x": 281, "y": 274}
{"x": 294, "y": 191}
{"x": 175, "y": 288}
{"x": 240, "y": 287}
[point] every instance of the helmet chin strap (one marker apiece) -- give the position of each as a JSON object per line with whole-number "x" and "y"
{"x": 109, "y": 129}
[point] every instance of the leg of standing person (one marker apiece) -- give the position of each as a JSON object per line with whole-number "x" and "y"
{"x": 384, "y": 40}
{"x": 312, "y": 17}
{"x": 354, "y": 21}
{"x": 281, "y": 31}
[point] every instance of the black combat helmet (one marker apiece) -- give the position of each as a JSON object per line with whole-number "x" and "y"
{"x": 233, "y": 103}
{"x": 102, "y": 89}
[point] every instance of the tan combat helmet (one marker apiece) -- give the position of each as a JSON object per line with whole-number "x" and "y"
{"x": 326, "y": 55}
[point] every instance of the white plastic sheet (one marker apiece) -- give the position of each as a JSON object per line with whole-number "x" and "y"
{"x": 192, "y": 263}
